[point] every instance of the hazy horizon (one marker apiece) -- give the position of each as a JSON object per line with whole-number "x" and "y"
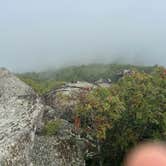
{"x": 38, "y": 35}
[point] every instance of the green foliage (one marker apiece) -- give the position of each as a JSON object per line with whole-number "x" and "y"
{"x": 51, "y": 127}
{"x": 88, "y": 73}
{"x": 144, "y": 97}
{"x": 131, "y": 111}
{"x": 40, "y": 86}
{"x": 43, "y": 82}
{"x": 98, "y": 110}
{"x": 93, "y": 72}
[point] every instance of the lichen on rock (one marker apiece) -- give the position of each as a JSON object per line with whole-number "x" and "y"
{"x": 20, "y": 114}
{"x": 21, "y": 121}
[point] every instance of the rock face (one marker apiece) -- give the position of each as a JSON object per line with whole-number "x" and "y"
{"x": 61, "y": 104}
{"x": 105, "y": 83}
{"x": 70, "y": 90}
{"x": 21, "y": 119}
{"x": 64, "y": 99}
{"x": 65, "y": 148}
{"x": 57, "y": 151}
{"x": 20, "y": 114}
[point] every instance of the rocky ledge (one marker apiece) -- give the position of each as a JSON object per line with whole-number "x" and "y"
{"x": 22, "y": 117}
{"x": 20, "y": 114}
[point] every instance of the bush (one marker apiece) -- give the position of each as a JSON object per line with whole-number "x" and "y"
{"x": 51, "y": 127}
{"x": 118, "y": 118}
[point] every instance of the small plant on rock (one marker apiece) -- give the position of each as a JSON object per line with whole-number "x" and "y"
{"x": 52, "y": 127}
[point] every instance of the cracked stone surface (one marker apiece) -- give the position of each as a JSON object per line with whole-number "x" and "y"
{"x": 20, "y": 114}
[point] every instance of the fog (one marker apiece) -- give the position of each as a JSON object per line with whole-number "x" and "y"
{"x": 39, "y": 34}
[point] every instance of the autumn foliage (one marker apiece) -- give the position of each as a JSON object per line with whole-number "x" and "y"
{"x": 117, "y": 118}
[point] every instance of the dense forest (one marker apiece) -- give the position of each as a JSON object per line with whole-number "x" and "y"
{"x": 42, "y": 82}
{"x": 117, "y": 118}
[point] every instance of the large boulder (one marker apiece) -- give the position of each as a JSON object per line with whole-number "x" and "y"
{"x": 63, "y": 148}
{"x": 58, "y": 143}
{"x": 20, "y": 114}
{"x": 54, "y": 151}
{"x": 21, "y": 119}
{"x": 64, "y": 99}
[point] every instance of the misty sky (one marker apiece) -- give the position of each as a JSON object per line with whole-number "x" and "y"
{"x": 38, "y": 34}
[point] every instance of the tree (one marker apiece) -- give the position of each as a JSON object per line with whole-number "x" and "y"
{"x": 131, "y": 111}
{"x": 98, "y": 110}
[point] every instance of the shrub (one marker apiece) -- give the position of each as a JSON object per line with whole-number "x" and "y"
{"x": 52, "y": 127}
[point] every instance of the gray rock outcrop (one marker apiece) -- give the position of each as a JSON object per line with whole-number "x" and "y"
{"x": 64, "y": 99}
{"x": 57, "y": 151}
{"x": 63, "y": 147}
{"x": 20, "y": 114}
